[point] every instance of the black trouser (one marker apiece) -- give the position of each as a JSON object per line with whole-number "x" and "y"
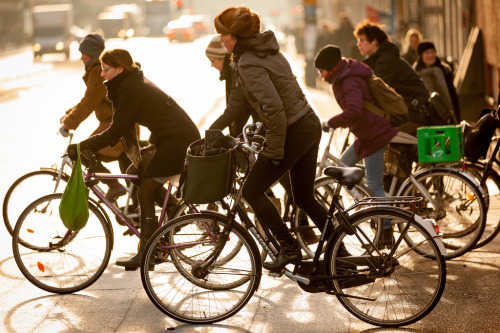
{"x": 300, "y": 157}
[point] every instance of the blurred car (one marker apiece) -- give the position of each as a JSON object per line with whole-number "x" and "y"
{"x": 187, "y": 27}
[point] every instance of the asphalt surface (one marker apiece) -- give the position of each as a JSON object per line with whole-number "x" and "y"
{"x": 118, "y": 303}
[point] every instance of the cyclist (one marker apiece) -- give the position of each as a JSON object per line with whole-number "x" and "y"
{"x": 135, "y": 99}
{"x": 95, "y": 100}
{"x": 373, "y": 133}
{"x": 237, "y": 112}
{"x": 293, "y": 131}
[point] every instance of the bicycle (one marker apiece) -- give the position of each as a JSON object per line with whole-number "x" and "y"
{"x": 451, "y": 196}
{"x": 59, "y": 260}
{"x": 34, "y": 184}
{"x": 195, "y": 281}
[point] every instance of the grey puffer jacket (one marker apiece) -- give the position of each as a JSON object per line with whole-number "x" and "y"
{"x": 267, "y": 80}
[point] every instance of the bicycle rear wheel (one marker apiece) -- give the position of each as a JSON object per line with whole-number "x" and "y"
{"x": 26, "y": 189}
{"x": 459, "y": 208}
{"x": 54, "y": 258}
{"x": 180, "y": 288}
{"x": 390, "y": 287}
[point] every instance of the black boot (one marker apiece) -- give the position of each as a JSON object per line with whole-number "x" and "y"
{"x": 115, "y": 190}
{"x": 290, "y": 253}
{"x": 148, "y": 227}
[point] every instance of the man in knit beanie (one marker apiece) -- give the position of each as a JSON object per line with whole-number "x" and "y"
{"x": 95, "y": 101}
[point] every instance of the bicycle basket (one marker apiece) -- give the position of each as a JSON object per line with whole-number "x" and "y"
{"x": 208, "y": 178}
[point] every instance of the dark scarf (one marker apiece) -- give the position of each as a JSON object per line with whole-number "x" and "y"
{"x": 129, "y": 140}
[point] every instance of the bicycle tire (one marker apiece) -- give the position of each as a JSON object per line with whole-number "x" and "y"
{"x": 491, "y": 185}
{"x": 461, "y": 213}
{"x": 402, "y": 285}
{"x": 33, "y": 191}
{"x": 173, "y": 288}
{"x": 323, "y": 192}
{"x": 55, "y": 267}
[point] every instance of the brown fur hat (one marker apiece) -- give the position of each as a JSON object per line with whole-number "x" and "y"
{"x": 237, "y": 21}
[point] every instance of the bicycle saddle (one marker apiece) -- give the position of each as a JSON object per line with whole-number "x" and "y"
{"x": 348, "y": 176}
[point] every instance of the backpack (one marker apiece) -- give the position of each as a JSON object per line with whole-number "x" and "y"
{"x": 391, "y": 107}
{"x": 478, "y": 140}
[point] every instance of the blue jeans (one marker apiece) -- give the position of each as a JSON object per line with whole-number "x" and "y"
{"x": 374, "y": 167}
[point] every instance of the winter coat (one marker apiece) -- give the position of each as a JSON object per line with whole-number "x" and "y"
{"x": 271, "y": 88}
{"x": 94, "y": 100}
{"x": 411, "y": 55}
{"x": 238, "y": 109}
{"x": 350, "y": 89}
{"x": 137, "y": 100}
{"x": 397, "y": 73}
{"x": 439, "y": 78}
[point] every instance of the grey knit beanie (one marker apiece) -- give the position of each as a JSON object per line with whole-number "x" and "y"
{"x": 92, "y": 45}
{"x": 216, "y": 49}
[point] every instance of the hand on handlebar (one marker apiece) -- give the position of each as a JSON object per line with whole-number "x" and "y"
{"x": 64, "y": 130}
{"x": 72, "y": 152}
{"x": 325, "y": 127}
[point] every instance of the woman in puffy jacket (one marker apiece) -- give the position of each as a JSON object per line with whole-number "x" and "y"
{"x": 293, "y": 131}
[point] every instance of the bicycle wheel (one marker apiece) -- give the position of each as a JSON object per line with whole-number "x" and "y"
{"x": 392, "y": 287}
{"x": 59, "y": 260}
{"x": 26, "y": 189}
{"x": 180, "y": 288}
{"x": 323, "y": 192}
{"x": 491, "y": 186}
{"x": 459, "y": 208}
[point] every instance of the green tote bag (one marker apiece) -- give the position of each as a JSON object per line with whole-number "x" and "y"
{"x": 74, "y": 206}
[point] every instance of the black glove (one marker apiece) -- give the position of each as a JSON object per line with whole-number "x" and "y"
{"x": 72, "y": 152}
{"x": 270, "y": 161}
{"x": 325, "y": 127}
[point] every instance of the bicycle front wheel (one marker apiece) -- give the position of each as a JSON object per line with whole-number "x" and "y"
{"x": 181, "y": 287}
{"x": 54, "y": 258}
{"x": 387, "y": 286}
{"x": 26, "y": 189}
{"x": 455, "y": 201}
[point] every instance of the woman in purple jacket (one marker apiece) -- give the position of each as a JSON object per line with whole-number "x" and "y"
{"x": 373, "y": 133}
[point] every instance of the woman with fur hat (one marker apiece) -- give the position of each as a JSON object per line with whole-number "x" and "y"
{"x": 373, "y": 133}
{"x": 293, "y": 131}
{"x": 95, "y": 100}
{"x": 437, "y": 76}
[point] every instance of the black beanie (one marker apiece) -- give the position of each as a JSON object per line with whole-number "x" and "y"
{"x": 328, "y": 57}
{"x": 425, "y": 45}
{"x": 92, "y": 45}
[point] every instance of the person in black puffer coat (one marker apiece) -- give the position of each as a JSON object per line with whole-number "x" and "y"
{"x": 137, "y": 100}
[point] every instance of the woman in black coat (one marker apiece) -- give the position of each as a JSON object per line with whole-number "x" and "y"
{"x": 137, "y": 100}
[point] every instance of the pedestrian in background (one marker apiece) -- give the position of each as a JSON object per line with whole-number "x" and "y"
{"x": 383, "y": 58}
{"x": 95, "y": 101}
{"x": 437, "y": 76}
{"x": 413, "y": 38}
{"x": 373, "y": 133}
{"x": 293, "y": 131}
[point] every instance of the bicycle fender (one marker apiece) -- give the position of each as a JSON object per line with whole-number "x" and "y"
{"x": 427, "y": 224}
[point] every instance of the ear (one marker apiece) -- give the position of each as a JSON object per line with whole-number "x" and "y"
{"x": 120, "y": 69}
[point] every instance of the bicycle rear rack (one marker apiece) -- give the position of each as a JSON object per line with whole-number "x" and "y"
{"x": 386, "y": 201}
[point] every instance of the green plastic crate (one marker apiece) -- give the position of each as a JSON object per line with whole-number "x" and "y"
{"x": 438, "y": 144}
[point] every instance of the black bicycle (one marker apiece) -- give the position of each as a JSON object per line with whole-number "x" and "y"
{"x": 208, "y": 265}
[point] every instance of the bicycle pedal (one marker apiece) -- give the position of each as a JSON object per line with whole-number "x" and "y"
{"x": 131, "y": 269}
{"x": 128, "y": 232}
{"x": 277, "y": 274}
